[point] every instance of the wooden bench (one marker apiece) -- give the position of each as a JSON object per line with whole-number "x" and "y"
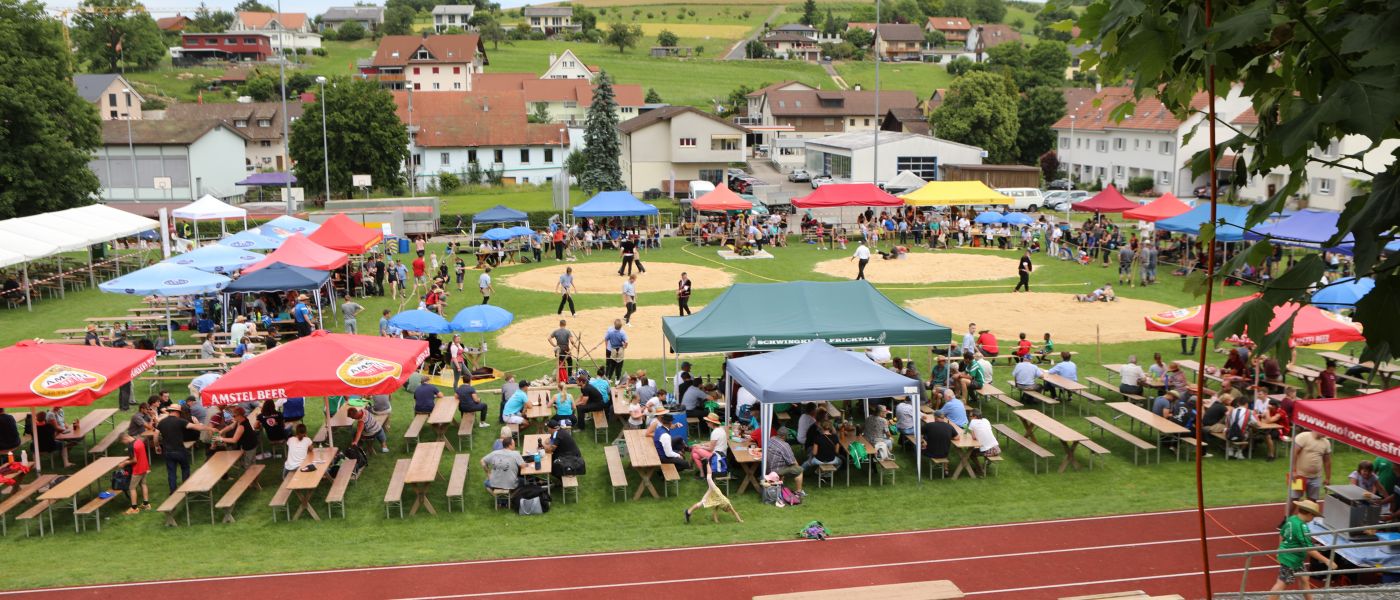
{"x": 570, "y": 482}
{"x": 616, "y": 474}
{"x": 415, "y": 428}
{"x": 393, "y": 497}
{"x": 20, "y": 495}
{"x": 280, "y": 500}
{"x": 826, "y": 474}
{"x": 990, "y": 391}
{"x": 600, "y": 424}
{"x": 1035, "y": 449}
{"x": 93, "y": 509}
{"x": 1136, "y": 442}
{"x": 1087, "y": 396}
{"x": 457, "y": 481}
{"x": 670, "y": 475}
{"x": 341, "y": 483}
{"x": 466, "y": 429}
{"x": 1042, "y": 399}
{"x": 1095, "y": 450}
{"x": 1137, "y": 399}
{"x": 887, "y": 467}
{"x": 248, "y": 479}
{"x": 100, "y": 448}
{"x": 322, "y": 435}
{"x": 172, "y": 504}
{"x": 37, "y": 511}
{"x": 1103, "y": 386}
{"x": 941, "y": 463}
{"x": 1245, "y": 445}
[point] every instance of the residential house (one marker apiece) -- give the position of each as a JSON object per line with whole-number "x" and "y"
{"x": 259, "y": 122}
{"x": 752, "y": 112}
{"x": 563, "y": 100}
{"x": 551, "y": 20}
{"x": 934, "y": 101}
{"x": 819, "y": 113}
{"x": 448, "y": 16}
{"x": 369, "y": 17}
{"x": 429, "y": 63}
{"x": 244, "y": 46}
{"x": 197, "y": 157}
{"x": 907, "y": 120}
{"x": 990, "y": 35}
{"x": 809, "y": 31}
{"x": 568, "y": 66}
{"x": 1328, "y": 186}
{"x": 113, "y": 95}
{"x": 954, "y": 29}
{"x": 851, "y": 157}
{"x": 792, "y": 44}
{"x": 1150, "y": 142}
{"x": 286, "y": 30}
{"x": 899, "y": 41}
{"x": 485, "y": 131}
{"x": 173, "y": 24}
{"x": 668, "y": 147}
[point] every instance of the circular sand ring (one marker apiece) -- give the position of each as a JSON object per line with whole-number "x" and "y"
{"x": 1067, "y": 320}
{"x": 644, "y": 336}
{"x": 602, "y": 277}
{"x": 924, "y": 267}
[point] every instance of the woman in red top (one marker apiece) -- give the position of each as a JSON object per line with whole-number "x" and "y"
{"x": 140, "y": 464}
{"x": 987, "y": 343}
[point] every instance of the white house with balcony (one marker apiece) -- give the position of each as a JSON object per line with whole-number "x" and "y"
{"x": 668, "y": 147}
{"x": 481, "y": 131}
{"x": 1328, "y": 186}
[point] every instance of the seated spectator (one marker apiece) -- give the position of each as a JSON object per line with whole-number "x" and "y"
{"x": 823, "y": 446}
{"x": 44, "y": 429}
{"x": 665, "y": 444}
{"x": 1130, "y": 377}
{"x": 646, "y": 387}
{"x": 987, "y": 343}
{"x": 468, "y": 401}
{"x": 567, "y": 459}
{"x": 1026, "y": 375}
{"x": 1023, "y": 347}
{"x": 272, "y": 424}
{"x": 1365, "y": 478}
{"x": 592, "y": 399}
{"x": 938, "y": 437}
{"x": 939, "y": 375}
{"x": 563, "y": 403}
{"x": 1162, "y": 405}
{"x": 241, "y": 434}
{"x": 294, "y": 410}
{"x": 694, "y": 398}
{"x": 513, "y": 411}
{"x": 1213, "y": 420}
{"x": 425, "y": 397}
{"x": 782, "y": 462}
{"x": 501, "y": 438}
{"x": 877, "y": 431}
{"x": 718, "y": 443}
{"x": 981, "y": 429}
{"x": 298, "y": 449}
{"x": 9, "y": 432}
{"x": 503, "y": 466}
{"x": 955, "y": 411}
{"x": 1065, "y": 368}
{"x": 906, "y": 418}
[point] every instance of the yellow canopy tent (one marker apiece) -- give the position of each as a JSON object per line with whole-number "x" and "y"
{"x": 955, "y": 193}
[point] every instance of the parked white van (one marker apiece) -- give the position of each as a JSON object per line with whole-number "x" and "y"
{"x": 1024, "y": 198}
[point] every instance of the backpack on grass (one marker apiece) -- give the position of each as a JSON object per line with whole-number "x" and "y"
{"x": 790, "y": 497}
{"x": 814, "y": 531}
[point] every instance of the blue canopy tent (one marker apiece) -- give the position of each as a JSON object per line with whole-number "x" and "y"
{"x": 421, "y": 321}
{"x": 1020, "y": 219}
{"x": 165, "y": 279}
{"x": 285, "y": 226}
{"x": 481, "y": 318}
{"x": 990, "y": 217}
{"x": 1307, "y": 228}
{"x": 251, "y": 239}
{"x": 1343, "y": 294}
{"x": 521, "y": 231}
{"x": 216, "y": 258}
{"x": 1190, "y": 222}
{"x": 499, "y": 214}
{"x": 498, "y": 234}
{"x": 817, "y": 372}
{"x": 280, "y": 277}
{"x": 615, "y": 204}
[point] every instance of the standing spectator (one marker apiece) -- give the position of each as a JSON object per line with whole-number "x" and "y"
{"x": 563, "y": 340}
{"x": 140, "y": 464}
{"x": 350, "y": 311}
{"x": 683, "y": 294}
{"x": 565, "y": 287}
{"x": 969, "y": 339}
{"x": 400, "y": 278}
{"x": 301, "y": 316}
{"x": 1312, "y": 464}
{"x": 484, "y": 283}
{"x": 629, "y": 298}
{"x": 1023, "y": 270}
{"x": 1327, "y": 380}
{"x": 457, "y": 355}
{"x": 420, "y": 270}
{"x": 558, "y": 239}
{"x": 1293, "y": 535}
{"x": 170, "y": 443}
{"x": 862, "y": 258}
{"x": 616, "y": 341}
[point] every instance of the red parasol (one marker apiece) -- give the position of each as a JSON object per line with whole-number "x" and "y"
{"x": 1110, "y": 200}
{"x": 1312, "y": 326}
{"x": 299, "y": 251}
{"x": 322, "y": 364}
{"x": 1164, "y": 207}
{"x": 342, "y": 234}
{"x": 833, "y": 195}
{"x": 720, "y": 199}
{"x": 45, "y": 375}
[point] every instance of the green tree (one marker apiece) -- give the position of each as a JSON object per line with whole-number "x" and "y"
{"x": 757, "y": 49}
{"x": 207, "y": 20}
{"x": 652, "y": 97}
{"x": 957, "y": 8}
{"x": 738, "y": 100}
{"x": 49, "y": 132}
{"x": 1045, "y": 21}
{"x": 602, "y": 150}
{"x": 1314, "y": 73}
{"x": 623, "y": 36}
{"x": 1039, "y": 109}
{"x": 935, "y": 39}
{"x": 959, "y": 66}
{"x": 1043, "y": 64}
{"x": 398, "y": 20}
{"x": 988, "y": 11}
{"x": 364, "y": 136}
{"x": 859, "y": 38}
{"x": 585, "y": 18}
{"x": 104, "y": 38}
{"x": 492, "y": 31}
{"x": 980, "y": 109}
{"x": 666, "y": 38}
{"x": 350, "y": 31}
{"x": 260, "y": 87}
{"x": 252, "y": 6}
{"x": 809, "y": 12}
{"x": 540, "y": 113}
{"x": 831, "y": 25}
{"x": 904, "y": 11}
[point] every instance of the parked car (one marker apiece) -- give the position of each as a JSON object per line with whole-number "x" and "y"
{"x": 736, "y": 173}
{"x": 1060, "y": 184}
{"x": 739, "y": 185}
{"x": 1061, "y": 199}
{"x": 1203, "y": 192}
{"x": 1028, "y": 199}
{"x": 821, "y": 181}
{"x": 799, "y": 175}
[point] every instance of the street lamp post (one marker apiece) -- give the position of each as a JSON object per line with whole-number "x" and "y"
{"x": 286, "y": 121}
{"x": 325, "y": 147}
{"x": 131, "y": 148}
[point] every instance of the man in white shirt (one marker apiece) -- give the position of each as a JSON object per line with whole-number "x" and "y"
{"x": 969, "y": 340}
{"x": 484, "y": 282}
{"x": 862, "y": 255}
{"x": 981, "y": 429}
{"x": 238, "y": 330}
{"x": 985, "y": 364}
{"x": 806, "y": 421}
{"x": 1130, "y": 377}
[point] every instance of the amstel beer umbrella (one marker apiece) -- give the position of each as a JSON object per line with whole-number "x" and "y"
{"x": 1312, "y": 325}
{"x": 321, "y": 364}
{"x": 39, "y": 375}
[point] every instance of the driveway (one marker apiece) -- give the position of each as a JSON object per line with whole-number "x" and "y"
{"x": 737, "y": 51}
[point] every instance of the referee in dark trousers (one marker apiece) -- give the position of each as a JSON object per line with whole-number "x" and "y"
{"x": 683, "y": 295}
{"x": 1024, "y": 271}
{"x": 863, "y": 255}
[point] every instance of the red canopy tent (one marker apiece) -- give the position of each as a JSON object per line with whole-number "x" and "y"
{"x": 48, "y": 375}
{"x": 1110, "y": 200}
{"x": 834, "y": 195}
{"x": 1312, "y": 326}
{"x": 720, "y": 199}
{"x": 299, "y": 251}
{"x": 1164, "y": 207}
{"x": 1369, "y": 423}
{"x": 322, "y": 364}
{"x": 342, "y": 234}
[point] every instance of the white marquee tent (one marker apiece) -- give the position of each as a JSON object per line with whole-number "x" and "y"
{"x": 36, "y": 237}
{"x": 209, "y": 208}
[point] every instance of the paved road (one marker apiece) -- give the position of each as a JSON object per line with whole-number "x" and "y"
{"x": 737, "y": 51}
{"x": 835, "y": 77}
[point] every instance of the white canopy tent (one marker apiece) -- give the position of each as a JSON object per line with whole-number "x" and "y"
{"x": 113, "y": 222}
{"x": 30, "y": 249}
{"x": 63, "y": 240}
{"x": 40, "y": 236}
{"x": 208, "y": 208}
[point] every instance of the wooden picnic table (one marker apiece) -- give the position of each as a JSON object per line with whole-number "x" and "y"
{"x": 1309, "y": 377}
{"x": 748, "y": 463}
{"x": 619, "y": 400}
{"x": 198, "y": 362}
{"x": 89, "y": 424}
{"x": 203, "y": 481}
{"x": 1069, "y": 438}
{"x": 304, "y": 483}
{"x": 1064, "y": 383}
{"x": 441, "y": 418}
{"x": 1346, "y": 359}
{"x": 1157, "y": 423}
{"x": 127, "y": 319}
{"x": 69, "y": 488}
{"x": 422, "y": 472}
{"x": 919, "y": 590}
{"x": 641, "y": 452}
{"x": 964, "y": 443}
{"x": 528, "y": 444}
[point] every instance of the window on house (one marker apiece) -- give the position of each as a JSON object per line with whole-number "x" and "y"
{"x": 422, "y": 55}
{"x": 627, "y": 110}
{"x": 1324, "y": 187}
{"x": 240, "y": 123}
{"x": 415, "y": 70}
{"x": 471, "y": 156}
{"x": 853, "y": 122}
{"x": 1102, "y": 146}
{"x": 445, "y": 158}
{"x": 711, "y": 175}
{"x": 724, "y": 142}
{"x": 437, "y": 85}
{"x": 1120, "y": 144}
{"x": 1118, "y": 172}
{"x": 525, "y": 156}
{"x": 111, "y": 99}
{"x": 252, "y": 41}
{"x": 500, "y": 156}
{"x": 687, "y": 142}
{"x": 1137, "y": 143}
{"x": 264, "y": 122}
{"x": 456, "y": 70}
{"x": 828, "y": 121}
{"x": 265, "y": 143}
{"x": 1064, "y": 142}
{"x": 570, "y": 104}
{"x": 1164, "y": 178}
{"x": 1331, "y": 150}
{"x": 231, "y": 41}
{"x": 548, "y": 155}
{"x": 114, "y": 114}
{"x": 456, "y": 85}
{"x": 926, "y": 167}
{"x": 435, "y": 70}
{"x": 417, "y": 86}
{"x": 1164, "y": 147}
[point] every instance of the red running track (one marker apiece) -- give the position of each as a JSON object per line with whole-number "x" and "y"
{"x": 1154, "y": 552}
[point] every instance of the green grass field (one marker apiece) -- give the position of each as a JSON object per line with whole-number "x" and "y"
{"x": 255, "y": 544}
{"x": 921, "y": 78}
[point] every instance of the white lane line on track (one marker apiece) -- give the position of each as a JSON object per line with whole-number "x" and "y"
{"x": 109, "y": 586}
{"x": 1108, "y": 581}
{"x": 603, "y": 586}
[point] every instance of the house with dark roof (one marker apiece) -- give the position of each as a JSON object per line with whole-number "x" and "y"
{"x": 900, "y": 41}
{"x": 792, "y": 44}
{"x": 259, "y": 122}
{"x": 668, "y": 147}
{"x": 427, "y": 63}
{"x": 479, "y": 132}
{"x": 990, "y": 35}
{"x": 818, "y": 113}
{"x": 369, "y": 17}
{"x": 907, "y": 120}
{"x": 551, "y": 20}
{"x": 112, "y": 94}
{"x": 176, "y": 160}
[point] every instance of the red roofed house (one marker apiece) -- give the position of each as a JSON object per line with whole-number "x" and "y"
{"x": 427, "y": 63}
{"x": 990, "y": 35}
{"x": 564, "y": 100}
{"x": 175, "y": 24}
{"x": 286, "y": 30}
{"x": 482, "y": 131}
{"x": 954, "y": 29}
{"x": 1150, "y": 142}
